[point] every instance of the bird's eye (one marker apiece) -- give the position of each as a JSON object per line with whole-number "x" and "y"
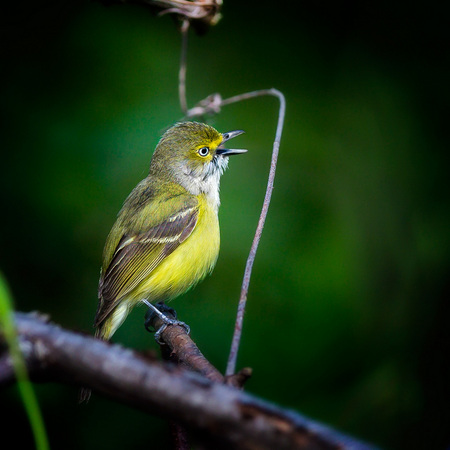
{"x": 203, "y": 151}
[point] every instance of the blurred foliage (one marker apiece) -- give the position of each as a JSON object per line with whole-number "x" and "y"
{"x": 25, "y": 387}
{"x": 347, "y": 318}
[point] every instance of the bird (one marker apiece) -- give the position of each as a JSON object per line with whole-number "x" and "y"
{"x": 166, "y": 237}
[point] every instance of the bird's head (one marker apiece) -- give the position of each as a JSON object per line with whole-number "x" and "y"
{"x": 192, "y": 154}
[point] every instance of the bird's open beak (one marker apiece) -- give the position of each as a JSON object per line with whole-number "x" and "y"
{"x": 230, "y": 151}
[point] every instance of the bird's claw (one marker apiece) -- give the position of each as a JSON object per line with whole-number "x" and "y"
{"x": 162, "y": 328}
{"x": 159, "y": 311}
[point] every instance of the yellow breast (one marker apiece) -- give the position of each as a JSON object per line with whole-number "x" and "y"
{"x": 189, "y": 263}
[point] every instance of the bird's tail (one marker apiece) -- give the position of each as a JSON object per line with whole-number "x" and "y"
{"x": 84, "y": 394}
{"x": 104, "y": 331}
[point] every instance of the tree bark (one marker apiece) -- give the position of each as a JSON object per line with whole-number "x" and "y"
{"x": 219, "y": 415}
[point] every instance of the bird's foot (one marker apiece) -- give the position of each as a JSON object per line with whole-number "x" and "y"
{"x": 167, "y": 315}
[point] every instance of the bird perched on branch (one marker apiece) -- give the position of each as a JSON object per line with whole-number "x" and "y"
{"x": 166, "y": 236}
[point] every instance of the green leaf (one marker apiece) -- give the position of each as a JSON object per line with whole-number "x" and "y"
{"x": 25, "y": 387}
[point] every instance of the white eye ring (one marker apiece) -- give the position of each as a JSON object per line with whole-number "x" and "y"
{"x": 204, "y": 151}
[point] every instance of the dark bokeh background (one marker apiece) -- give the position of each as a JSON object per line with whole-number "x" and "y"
{"x": 347, "y": 318}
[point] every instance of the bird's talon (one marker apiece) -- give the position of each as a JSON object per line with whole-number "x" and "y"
{"x": 163, "y": 327}
{"x": 186, "y": 327}
{"x": 158, "y": 334}
{"x": 161, "y": 310}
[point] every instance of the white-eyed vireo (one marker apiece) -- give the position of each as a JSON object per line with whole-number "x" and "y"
{"x": 166, "y": 236}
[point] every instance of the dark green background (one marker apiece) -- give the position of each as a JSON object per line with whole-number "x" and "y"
{"x": 347, "y": 317}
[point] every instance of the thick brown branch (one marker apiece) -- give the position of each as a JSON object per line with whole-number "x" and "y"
{"x": 179, "y": 347}
{"x": 217, "y": 411}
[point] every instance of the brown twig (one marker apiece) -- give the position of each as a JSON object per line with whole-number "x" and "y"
{"x": 180, "y": 348}
{"x": 231, "y": 365}
{"x": 219, "y": 413}
{"x": 177, "y": 346}
{"x": 212, "y": 105}
{"x": 179, "y": 434}
{"x": 174, "y": 344}
{"x": 182, "y": 72}
{"x": 239, "y": 379}
{"x": 202, "y": 13}
{"x": 206, "y": 10}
